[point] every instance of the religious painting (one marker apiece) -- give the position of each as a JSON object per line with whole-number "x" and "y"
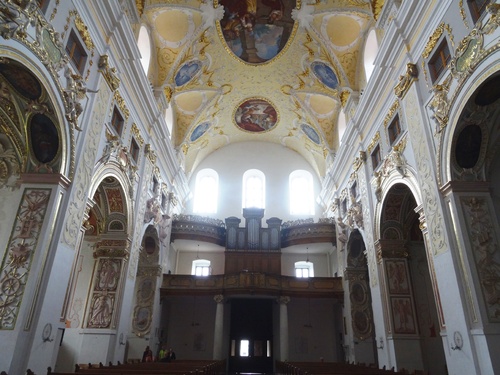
{"x": 44, "y": 138}
{"x": 21, "y": 79}
{"x": 115, "y": 200}
{"x": 102, "y": 310}
{"x": 255, "y": 115}
{"x": 311, "y": 133}
{"x": 397, "y": 277}
{"x": 403, "y": 315}
{"x": 257, "y": 30}
{"x": 325, "y": 74}
{"x": 142, "y": 318}
{"x": 187, "y": 72}
{"x": 108, "y": 274}
{"x": 200, "y": 130}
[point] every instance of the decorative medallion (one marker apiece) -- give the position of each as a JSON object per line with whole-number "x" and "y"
{"x": 187, "y": 72}
{"x": 325, "y": 74}
{"x": 257, "y": 31}
{"x": 21, "y": 79}
{"x": 44, "y": 138}
{"x": 311, "y": 133}
{"x": 256, "y": 115}
{"x": 200, "y": 130}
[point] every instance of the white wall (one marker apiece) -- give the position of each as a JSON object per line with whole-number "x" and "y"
{"x": 232, "y": 161}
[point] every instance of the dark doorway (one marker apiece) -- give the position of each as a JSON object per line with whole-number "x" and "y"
{"x": 251, "y": 336}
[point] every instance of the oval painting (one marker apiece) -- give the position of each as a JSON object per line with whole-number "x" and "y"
{"x": 187, "y": 72}
{"x": 258, "y": 30}
{"x": 325, "y": 74}
{"x": 311, "y": 133}
{"x": 44, "y": 138}
{"x": 255, "y": 115}
{"x": 200, "y": 130}
{"x": 21, "y": 79}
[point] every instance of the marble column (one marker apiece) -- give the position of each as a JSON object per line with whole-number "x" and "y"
{"x": 283, "y": 301}
{"x": 219, "y": 326}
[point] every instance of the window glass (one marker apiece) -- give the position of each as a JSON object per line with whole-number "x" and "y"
{"x": 371, "y": 50}
{"x": 201, "y": 267}
{"x": 254, "y": 189}
{"x": 144, "y": 45}
{"x": 206, "y": 191}
{"x": 301, "y": 193}
{"x": 304, "y": 269}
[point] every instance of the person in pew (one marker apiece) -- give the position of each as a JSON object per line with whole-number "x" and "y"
{"x": 147, "y": 356}
{"x": 171, "y": 355}
{"x": 163, "y": 353}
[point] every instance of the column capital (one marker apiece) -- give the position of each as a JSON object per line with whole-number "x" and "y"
{"x": 219, "y": 298}
{"x": 283, "y": 300}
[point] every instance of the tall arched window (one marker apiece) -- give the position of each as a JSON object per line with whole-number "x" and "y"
{"x": 144, "y": 45}
{"x": 370, "y": 53}
{"x": 301, "y": 193}
{"x": 254, "y": 189}
{"x": 206, "y": 192}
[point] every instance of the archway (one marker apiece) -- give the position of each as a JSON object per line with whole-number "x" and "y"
{"x": 406, "y": 277}
{"x": 97, "y": 279}
{"x": 359, "y": 303}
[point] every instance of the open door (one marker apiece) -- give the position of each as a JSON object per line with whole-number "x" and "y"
{"x": 251, "y": 336}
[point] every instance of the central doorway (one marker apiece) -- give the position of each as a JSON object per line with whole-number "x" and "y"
{"x": 251, "y": 334}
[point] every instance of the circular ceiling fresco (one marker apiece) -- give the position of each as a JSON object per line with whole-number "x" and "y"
{"x": 256, "y": 115}
{"x": 256, "y": 31}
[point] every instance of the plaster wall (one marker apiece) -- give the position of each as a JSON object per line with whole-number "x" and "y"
{"x": 232, "y": 161}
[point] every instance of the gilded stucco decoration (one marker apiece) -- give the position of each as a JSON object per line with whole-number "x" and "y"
{"x": 109, "y": 73}
{"x": 198, "y": 68}
{"x": 484, "y": 245}
{"x": 21, "y": 247}
{"x": 405, "y": 81}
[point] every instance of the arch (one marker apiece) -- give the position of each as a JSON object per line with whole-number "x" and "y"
{"x": 405, "y": 264}
{"x": 49, "y": 95}
{"x": 388, "y": 182}
{"x": 112, "y": 169}
{"x": 144, "y": 44}
{"x": 465, "y": 95}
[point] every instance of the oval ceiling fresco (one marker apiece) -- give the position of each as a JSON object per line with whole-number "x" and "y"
{"x": 257, "y": 30}
{"x": 256, "y": 115}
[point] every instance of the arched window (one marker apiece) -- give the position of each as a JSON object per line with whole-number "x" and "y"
{"x": 206, "y": 192}
{"x": 144, "y": 44}
{"x": 301, "y": 193}
{"x": 370, "y": 53}
{"x": 201, "y": 267}
{"x": 254, "y": 189}
{"x": 304, "y": 269}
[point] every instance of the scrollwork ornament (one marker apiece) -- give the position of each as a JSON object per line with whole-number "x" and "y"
{"x": 440, "y": 106}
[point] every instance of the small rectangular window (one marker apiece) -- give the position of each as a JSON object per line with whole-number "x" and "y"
{"x": 76, "y": 52}
{"x": 117, "y": 121}
{"x": 439, "y": 60}
{"x": 354, "y": 190}
{"x": 394, "y": 130}
{"x": 375, "y": 156}
{"x": 477, "y": 8}
{"x": 134, "y": 150}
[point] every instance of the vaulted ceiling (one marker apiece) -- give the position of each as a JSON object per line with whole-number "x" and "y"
{"x": 258, "y": 70}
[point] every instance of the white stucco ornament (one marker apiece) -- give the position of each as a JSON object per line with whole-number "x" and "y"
{"x": 304, "y": 15}
{"x": 211, "y": 14}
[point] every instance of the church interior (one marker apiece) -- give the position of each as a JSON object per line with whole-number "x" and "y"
{"x": 250, "y": 181}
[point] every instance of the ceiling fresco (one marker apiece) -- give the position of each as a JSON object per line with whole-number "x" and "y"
{"x": 258, "y": 70}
